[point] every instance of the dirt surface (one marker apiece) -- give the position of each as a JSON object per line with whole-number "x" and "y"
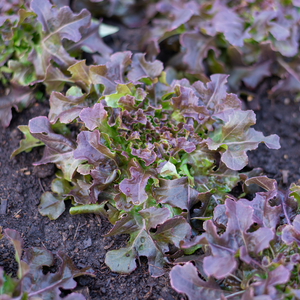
{"x": 280, "y": 116}
{"x": 81, "y": 236}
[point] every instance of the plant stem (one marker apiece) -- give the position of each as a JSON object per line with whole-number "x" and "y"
{"x": 232, "y": 295}
{"x": 284, "y": 209}
{"x": 87, "y": 209}
{"x": 235, "y": 277}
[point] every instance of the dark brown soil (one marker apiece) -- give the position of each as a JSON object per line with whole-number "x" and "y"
{"x": 280, "y": 116}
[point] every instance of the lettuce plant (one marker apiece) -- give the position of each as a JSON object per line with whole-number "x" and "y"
{"x": 245, "y": 39}
{"x": 38, "y": 43}
{"x": 250, "y": 249}
{"x": 151, "y": 155}
{"x": 31, "y": 282}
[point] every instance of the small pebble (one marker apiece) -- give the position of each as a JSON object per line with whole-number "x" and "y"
{"x": 19, "y": 188}
{"x": 87, "y": 243}
{"x": 44, "y": 171}
{"x": 278, "y": 116}
{"x": 285, "y": 175}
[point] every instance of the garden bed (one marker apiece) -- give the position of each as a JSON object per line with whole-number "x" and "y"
{"x": 82, "y": 236}
{"x": 136, "y": 118}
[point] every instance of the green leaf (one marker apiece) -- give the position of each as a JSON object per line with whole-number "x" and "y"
{"x": 7, "y": 284}
{"x": 51, "y": 206}
{"x": 60, "y": 186}
{"x": 105, "y": 30}
{"x": 144, "y": 243}
{"x": 88, "y": 209}
{"x": 169, "y": 169}
{"x": 23, "y": 72}
{"x": 28, "y": 143}
{"x": 295, "y": 192}
{"x": 121, "y": 90}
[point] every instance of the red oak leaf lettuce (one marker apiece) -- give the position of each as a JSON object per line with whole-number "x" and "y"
{"x": 153, "y": 158}
{"x": 32, "y": 281}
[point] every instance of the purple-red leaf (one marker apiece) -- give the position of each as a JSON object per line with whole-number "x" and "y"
{"x": 264, "y": 182}
{"x": 40, "y": 129}
{"x": 177, "y": 13}
{"x": 144, "y": 69}
{"x": 227, "y": 21}
{"x": 280, "y": 275}
{"x": 134, "y": 187}
{"x": 32, "y": 281}
{"x": 19, "y": 97}
{"x": 94, "y": 117}
{"x": 91, "y": 41}
{"x": 236, "y": 137}
{"x": 185, "y": 279}
{"x": 213, "y": 93}
{"x": 112, "y": 72}
{"x": 62, "y": 22}
{"x": 178, "y": 193}
{"x": 224, "y": 247}
{"x": 197, "y": 46}
{"x": 49, "y": 286}
{"x": 291, "y": 233}
{"x": 92, "y": 147}
{"x": 65, "y": 108}
{"x": 251, "y": 75}
{"x": 18, "y": 244}
{"x": 188, "y": 105}
{"x": 147, "y": 154}
{"x": 264, "y": 214}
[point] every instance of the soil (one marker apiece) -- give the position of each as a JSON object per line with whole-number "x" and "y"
{"x": 282, "y": 117}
